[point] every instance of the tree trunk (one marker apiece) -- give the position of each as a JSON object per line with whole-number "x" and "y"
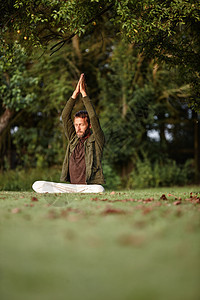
{"x": 162, "y": 134}
{"x": 5, "y": 118}
{"x": 155, "y": 69}
{"x": 124, "y": 104}
{"x": 76, "y": 46}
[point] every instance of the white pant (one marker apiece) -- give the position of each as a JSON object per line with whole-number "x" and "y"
{"x": 54, "y": 187}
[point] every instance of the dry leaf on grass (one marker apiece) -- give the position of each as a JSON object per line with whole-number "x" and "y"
{"x": 163, "y": 197}
{"x": 34, "y": 199}
{"x": 177, "y": 202}
{"x": 112, "y": 193}
{"x": 15, "y": 210}
{"x": 110, "y": 210}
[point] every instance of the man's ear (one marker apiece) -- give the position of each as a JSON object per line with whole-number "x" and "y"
{"x": 90, "y": 126}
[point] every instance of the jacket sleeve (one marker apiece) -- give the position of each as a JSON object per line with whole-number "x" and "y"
{"x": 94, "y": 120}
{"x": 66, "y": 118}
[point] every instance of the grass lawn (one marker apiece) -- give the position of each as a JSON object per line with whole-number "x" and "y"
{"x": 142, "y": 244}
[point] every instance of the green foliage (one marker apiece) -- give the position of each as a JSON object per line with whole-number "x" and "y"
{"x": 138, "y": 20}
{"x": 138, "y": 96}
{"x": 160, "y": 173}
{"x": 52, "y": 19}
{"x": 165, "y": 30}
{"x": 22, "y": 179}
{"x": 113, "y": 180}
{"x": 37, "y": 148}
{"x": 126, "y": 101}
{"x": 37, "y": 136}
{"x": 16, "y": 87}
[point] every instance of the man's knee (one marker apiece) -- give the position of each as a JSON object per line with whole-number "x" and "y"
{"x": 99, "y": 188}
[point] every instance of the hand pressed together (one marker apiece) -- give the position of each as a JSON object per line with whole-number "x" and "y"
{"x": 80, "y": 88}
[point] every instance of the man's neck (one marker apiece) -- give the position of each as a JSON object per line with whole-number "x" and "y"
{"x": 85, "y": 137}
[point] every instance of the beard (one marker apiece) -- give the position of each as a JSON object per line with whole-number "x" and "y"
{"x": 83, "y": 134}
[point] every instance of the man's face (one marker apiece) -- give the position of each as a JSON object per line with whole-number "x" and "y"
{"x": 81, "y": 126}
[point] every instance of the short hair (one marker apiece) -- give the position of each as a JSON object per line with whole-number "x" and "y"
{"x": 82, "y": 114}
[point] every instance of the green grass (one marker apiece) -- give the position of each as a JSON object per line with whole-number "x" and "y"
{"x": 89, "y": 247}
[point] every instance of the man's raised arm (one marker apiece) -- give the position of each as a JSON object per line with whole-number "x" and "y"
{"x": 94, "y": 120}
{"x": 67, "y": 111}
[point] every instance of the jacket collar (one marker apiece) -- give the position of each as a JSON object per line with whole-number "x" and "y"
{"x": 91, "y": 138}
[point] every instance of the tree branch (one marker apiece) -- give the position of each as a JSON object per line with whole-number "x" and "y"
{"x": 60, "y": 44}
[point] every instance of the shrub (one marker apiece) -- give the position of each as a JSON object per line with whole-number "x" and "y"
{"x": 167, "y": 173}
{"x": 22, "y": 180}
{"x": 113, "y": 180}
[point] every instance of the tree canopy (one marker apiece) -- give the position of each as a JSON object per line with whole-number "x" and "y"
{"x": 132, "y": 53}
{"x": 164, "y": 30}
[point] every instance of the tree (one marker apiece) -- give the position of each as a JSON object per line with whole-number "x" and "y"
{"x": 164, "y": 30}
{"x": 140, "y": 98}
{"x": 39, "y": 139}
{"x": 16, "y": 88}
{"x": 14, "y": 83}
{"x": 36, "y": 133}
{"x": 157, "y": 31}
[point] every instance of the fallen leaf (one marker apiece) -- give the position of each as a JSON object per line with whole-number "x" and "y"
{"x": 31, "y": 204}
{"x": 148, "y": 200}
{"x": 131, "y": 200}
{"x": 108, "y": 211}
{"x": 188, "y": 199}
{"x": 95, "y": 199}
{"x": 177, "y": 202}
{"x": 156, "y": 204}
{"x": 15, "y": 210}
{"x": 116, "y": 200}
{"x": 34, "y": 199}
{"x": 163, "y": 197}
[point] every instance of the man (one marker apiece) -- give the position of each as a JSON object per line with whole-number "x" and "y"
{"x": 82, "y": 164}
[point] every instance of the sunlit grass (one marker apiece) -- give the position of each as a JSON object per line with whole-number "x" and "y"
{"x": 119, "y": 245}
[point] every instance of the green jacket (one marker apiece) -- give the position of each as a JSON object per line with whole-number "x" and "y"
{"x": 93, "y": 145}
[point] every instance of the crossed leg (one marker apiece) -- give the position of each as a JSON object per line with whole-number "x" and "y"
{"x": 54, "y": 187}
